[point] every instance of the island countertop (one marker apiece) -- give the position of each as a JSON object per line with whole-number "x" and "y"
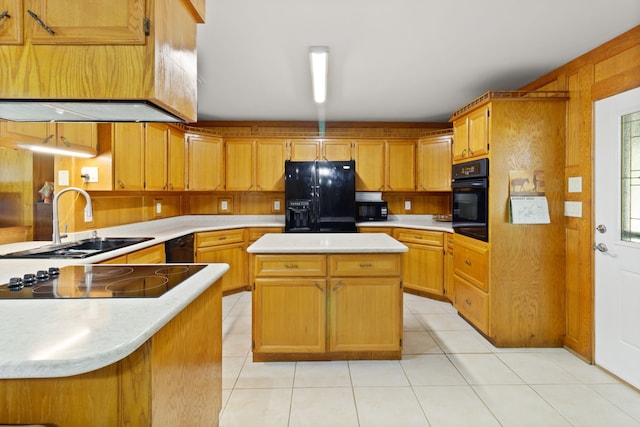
{"x": 63, "y": 337}
{"x": 326, "y": 243}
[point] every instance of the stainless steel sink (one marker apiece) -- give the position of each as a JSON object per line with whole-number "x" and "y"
{"x": 78, "y": 249}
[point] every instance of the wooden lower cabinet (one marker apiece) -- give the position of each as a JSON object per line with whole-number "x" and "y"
{"x": 229, "y": 247}
{"x": 151, "y": 255}
{"x": 174, "y": 378}
{"x": 327, "y": 307}
{"x": 290, "y": 315}
{"x": 423, "y": 264}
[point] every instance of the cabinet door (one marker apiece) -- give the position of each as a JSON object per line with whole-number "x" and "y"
{"x": 434, "y": 164}
{"x": 301, "y": 150}
{"x": 235, "y": 256}
{"x": 336, "y": 150}
{"x": 156, "y": 153}
{"x": 423, "y": 268}
{"x": 27, "y": 132}
{"x": 479, "y": 132}
{"x": 449, "y": 290}
{"x": 270, "y": 157}
{"x": 150, "y": 255}
{"x": 88, "y": 22}
{"x": 240, "y": 161}
{"x": 369, "y": 157}
{"x": 128, "y": 156}
{"x": 400, "y": 165}
{"x": 365, "y": 314}
{"x": 11, "y": 23}
{"x": 176, "y": 161}
{"x": 460, "y": 139}
{"x": 206, "y": 164}
{"x": 289, "y": 315}
{"x": 82, "y": 136}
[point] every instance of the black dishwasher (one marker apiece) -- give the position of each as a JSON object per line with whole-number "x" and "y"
{"x": 179, "y": 249}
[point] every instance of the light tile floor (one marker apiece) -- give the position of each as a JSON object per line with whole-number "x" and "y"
{"x": 449, "y": 375}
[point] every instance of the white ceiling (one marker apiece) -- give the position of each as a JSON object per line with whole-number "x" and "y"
{"x": 389, "y": 60}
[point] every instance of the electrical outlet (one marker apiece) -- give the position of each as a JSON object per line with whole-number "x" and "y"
{"x": 89, "y": 174}
{"x": 276, "y": 205}
{"x": 158, "y": 207}
{"x": 224, "y": 205}
{"x": 407, "y": 205}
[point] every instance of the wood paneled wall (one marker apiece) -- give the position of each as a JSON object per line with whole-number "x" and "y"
{"x": 16, "y": 187}
{"x": 611, "y": 68}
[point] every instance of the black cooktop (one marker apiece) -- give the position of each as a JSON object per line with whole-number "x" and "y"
{"x": 99, "y": 281}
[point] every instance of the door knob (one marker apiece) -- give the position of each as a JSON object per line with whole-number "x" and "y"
{"x": 602, "y": 228}
{"x": 601, "y": 247}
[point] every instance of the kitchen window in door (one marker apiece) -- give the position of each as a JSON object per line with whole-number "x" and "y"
{"x": 631, "y": 177}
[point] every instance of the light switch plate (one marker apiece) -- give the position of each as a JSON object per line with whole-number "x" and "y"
{"x": 575, "y": 184}
{"x": 573, "y": 209}
{"x": 63, "y": 178}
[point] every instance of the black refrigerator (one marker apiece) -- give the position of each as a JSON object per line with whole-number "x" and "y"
{"x": 320, "y": 196}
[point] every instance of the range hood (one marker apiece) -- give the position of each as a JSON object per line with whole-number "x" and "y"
{"x": 56, "y": 110}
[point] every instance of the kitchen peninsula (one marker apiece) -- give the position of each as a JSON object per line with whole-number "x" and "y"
{"x": 115, "y": 361}
{"x": 326, "y": 296}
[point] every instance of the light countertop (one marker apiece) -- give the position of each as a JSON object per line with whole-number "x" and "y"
{"x": 326, "y": 243}
{"x": 62, "y": 337}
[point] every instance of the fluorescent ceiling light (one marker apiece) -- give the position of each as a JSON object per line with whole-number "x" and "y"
{"x": 319, "y": 56}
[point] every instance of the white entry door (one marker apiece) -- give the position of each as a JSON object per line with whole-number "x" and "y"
{"x": 617, "y": 235}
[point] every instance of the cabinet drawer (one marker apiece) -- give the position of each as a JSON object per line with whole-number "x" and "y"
{"x": 224, "y": 237}
{"x": 150, "y": 255}
{"x": 471, "y": 264}
{"x": 365, "y": 265}
{"x": 290, "y": 265}
{"x": 434, "y": 238}
{"x": 472, "y": 303}
{"x": 257, "y": 232}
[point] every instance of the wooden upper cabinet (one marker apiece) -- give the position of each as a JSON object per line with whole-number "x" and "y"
{"x": 156, "y": 156}
{"x": 471, "y": 134}
{"x": 434, "y": 163}
{"x": 270, "y": 157}
{"x": 86, "y": 22}
{"x": 400, "y": 165}
{"x": 336, "y": 149}
{"x": 369, "y": 157}
{"x": 301, "y": 150}
{"x": 176, "y": 161}
{"x": 11, "y": 23}
{"x": 239, "y": 159}
{"x": 82, "y": 136}
{"x": 128, "y": 156}
{"x": 255, "y": 164}
{"x": 205, "y": 162}
{"x": 25, "y": 131}
{"x": 320, "y": 149}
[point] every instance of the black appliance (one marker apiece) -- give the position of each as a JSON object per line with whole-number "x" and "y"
{"x": 470, "y": 194}
{"x": 99, "y": 281}
{"x": 320, "y": 196}
{"x": 179, "y": 249}
{"x": 372, "y": 210}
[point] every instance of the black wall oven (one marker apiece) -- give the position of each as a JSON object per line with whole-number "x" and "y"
{"x": 470, "y": 190}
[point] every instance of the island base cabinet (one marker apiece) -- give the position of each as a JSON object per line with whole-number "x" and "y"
{"x": 327, "y": 307}
{"x": 290, "y": 315}
{"x": 174, "y": 378}
{"x": 364, "y": 313}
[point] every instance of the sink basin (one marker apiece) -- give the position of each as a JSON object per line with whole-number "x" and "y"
{"x": 79, "y": 249}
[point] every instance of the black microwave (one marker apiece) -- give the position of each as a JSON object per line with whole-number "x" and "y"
{"x": 371, "y": 211}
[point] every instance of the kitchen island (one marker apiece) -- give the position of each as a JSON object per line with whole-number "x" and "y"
{"x": 115, "y": 361}
{"x": 325, "y": 296}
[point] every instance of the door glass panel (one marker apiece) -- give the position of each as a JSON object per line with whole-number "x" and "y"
{"x": 631, "y": 177}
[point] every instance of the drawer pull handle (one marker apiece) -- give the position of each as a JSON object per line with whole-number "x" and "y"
{"x": 222, "y": 238}
{"x": 366, "y": 265}
{"x": 418, "y": 237}
{"x": 466, "y": 261}
{"x": 291, "y": 266}
{"x": 468, "y": 301}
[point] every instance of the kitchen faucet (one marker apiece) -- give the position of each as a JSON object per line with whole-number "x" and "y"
{"x": 88, "y": 212}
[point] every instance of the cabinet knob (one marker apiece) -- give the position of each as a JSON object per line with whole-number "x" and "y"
{"x": 468, "y": 301}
